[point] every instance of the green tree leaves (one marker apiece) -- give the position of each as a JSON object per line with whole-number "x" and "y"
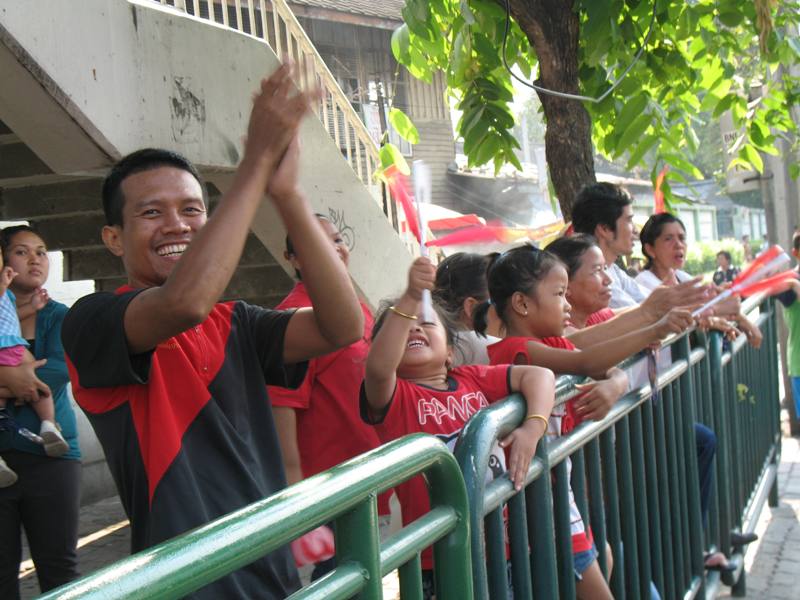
{"x": 699, "y": 62}
{"x": 403, "y": 126}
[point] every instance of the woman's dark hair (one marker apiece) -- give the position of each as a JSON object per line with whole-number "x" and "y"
{"x": 517, "y": 270}
{"x": 290, "y": 245}
{"x": 7, "y": 235}
{"x": 444, "y": 317}
{"x": 570, "y": 250}
{"x": 652, "y": 230}
{"x": 136, "y": 162}
{"x": 458, "y": 277}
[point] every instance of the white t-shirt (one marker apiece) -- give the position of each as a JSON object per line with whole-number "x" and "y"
{"x": 471, "y": 348}
{"x": 649, "y": 281}
{"x": 624, "y": 290}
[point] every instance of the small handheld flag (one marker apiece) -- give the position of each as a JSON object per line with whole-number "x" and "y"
{"x": 758, "y": 277}
{"x": 398, "y": 188}
{"x": 422, "y": 195}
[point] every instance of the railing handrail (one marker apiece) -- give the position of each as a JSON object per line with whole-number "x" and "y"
{"x": 179, "y": 566}
{"x": 495, "y": 422}
{"x": 462, "y": 499}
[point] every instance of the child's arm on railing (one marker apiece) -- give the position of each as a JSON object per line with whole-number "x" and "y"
{"x": 538, "y": 387}
{"x": 390, "y": 343}
{"x": 599, "y": 358}
{"x": 600, "y": 396}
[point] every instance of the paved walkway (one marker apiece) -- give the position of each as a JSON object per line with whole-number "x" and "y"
{"x": 772, "y": 563}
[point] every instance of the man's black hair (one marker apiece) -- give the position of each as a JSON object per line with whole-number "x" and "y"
{"x": 599, "y": 204}
{"x": 726, "y": 254}
{"x": 136, "y": 162}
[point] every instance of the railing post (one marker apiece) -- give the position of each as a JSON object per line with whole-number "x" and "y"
{"x": 662, "y": 460}
{"x": 451, "y": 554}
{"x": 682, "y": 351}
{"x": 653, "y": 509}
{"x": 627, "y": 507}
{"x": 771, "y": 346}
{"x": 356, "y": 541}
{"x": 610, "y": 486}
{"x": 562, "y": 522}
{"x": 596, "y": 501}
{"x": 538, "y": 498}
{"x": 720, "y": 402}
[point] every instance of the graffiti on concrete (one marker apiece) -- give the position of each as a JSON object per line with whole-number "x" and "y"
{"x": 348, "y": 233}
{"x": 188, "y": 111}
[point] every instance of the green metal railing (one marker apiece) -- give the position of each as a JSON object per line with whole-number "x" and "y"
{"x": 635, "y": 478}
{"x": 346, "y": 495}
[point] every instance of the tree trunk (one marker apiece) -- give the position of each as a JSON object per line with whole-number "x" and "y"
{"x": 553, "y": 27}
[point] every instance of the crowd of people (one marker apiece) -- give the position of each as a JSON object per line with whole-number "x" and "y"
{"x": 195, "y": 401}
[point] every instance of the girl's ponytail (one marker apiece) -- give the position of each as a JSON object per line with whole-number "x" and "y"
{"x": 480, "y": 317}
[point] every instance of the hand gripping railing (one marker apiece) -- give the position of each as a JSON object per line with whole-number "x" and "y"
{"x": 345, "y": 494}
{"x": 635, "y": 479}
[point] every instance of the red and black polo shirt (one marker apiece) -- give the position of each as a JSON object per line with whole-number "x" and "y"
{"x": 187, "y": 428}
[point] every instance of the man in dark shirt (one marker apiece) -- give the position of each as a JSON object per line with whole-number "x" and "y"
{"x": 174, "y": 382}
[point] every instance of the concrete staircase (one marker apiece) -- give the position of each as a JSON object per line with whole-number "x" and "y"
{"x": 85, "y": 83}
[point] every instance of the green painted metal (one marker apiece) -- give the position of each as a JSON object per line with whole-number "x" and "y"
{"x": 179, "y": 566}
{"x": 635, "y": 476}
{"x": 561, "y": 521}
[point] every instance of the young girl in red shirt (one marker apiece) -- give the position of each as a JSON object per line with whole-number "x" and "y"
{"x": 527, "y": 287}
{"x": 410, "y": 387}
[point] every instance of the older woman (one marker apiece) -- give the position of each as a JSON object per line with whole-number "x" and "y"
{"x": 45, "y": 499}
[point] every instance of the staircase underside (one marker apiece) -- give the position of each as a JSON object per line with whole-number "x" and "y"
{"x": 84, "y": 84}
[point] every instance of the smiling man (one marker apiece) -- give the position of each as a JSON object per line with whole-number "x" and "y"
{"x": 174, "y": 382}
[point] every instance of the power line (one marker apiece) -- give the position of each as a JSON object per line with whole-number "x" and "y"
{"x": 605, "y": 94}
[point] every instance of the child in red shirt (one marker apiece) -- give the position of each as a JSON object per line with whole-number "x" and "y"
{"x": 318, "y": 424}
{"x": 409, "y": 387}
{"x": 527, "y": 287}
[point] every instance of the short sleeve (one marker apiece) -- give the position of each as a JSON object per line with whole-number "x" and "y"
{"x": 494, "y": 381}
{"x": 93, "y": 335}
{"x": 268, "y": 330}
{"x": 369, "y": 416}
{"x": 299, "y": 398}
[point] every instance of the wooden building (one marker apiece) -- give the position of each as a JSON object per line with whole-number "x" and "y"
{"x": 354, "y": 39}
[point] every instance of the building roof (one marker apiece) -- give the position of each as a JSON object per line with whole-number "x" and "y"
{"x": 383, "y": 9}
